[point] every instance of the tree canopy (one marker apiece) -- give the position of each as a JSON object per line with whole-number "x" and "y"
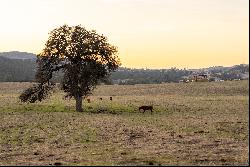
{"x": 83, "y": 56}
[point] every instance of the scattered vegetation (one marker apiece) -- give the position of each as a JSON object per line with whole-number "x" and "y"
{"x": 192, "y": 124}
{"x": 16, "y": 67}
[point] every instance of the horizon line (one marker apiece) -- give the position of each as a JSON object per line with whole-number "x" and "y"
{"x": 154, "y": 68}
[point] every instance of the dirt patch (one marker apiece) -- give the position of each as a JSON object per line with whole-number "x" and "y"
{"x": 183, "y": 130}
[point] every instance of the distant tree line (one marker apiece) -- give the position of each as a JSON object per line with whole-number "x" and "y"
{"x": 16, "y": 70}
{"x": 230, "y": 73}
{"x": 129, "y": 76}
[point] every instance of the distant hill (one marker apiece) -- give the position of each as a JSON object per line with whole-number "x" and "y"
{"x": 14, "y": 70}
{"x": 21, "y": 67}
{"x": 18, "y": 55}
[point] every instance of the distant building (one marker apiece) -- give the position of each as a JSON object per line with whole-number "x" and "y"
{"x": 200, "y": 77}
{"x": 244, "y": 76}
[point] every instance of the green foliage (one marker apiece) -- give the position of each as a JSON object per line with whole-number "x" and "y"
{"x": 127, "y": 76}
{"x": 37, "y": 92}
{"x": 84, "y": 57}
{"x": 19, "y": 67}
{"x": 14, "y": 70}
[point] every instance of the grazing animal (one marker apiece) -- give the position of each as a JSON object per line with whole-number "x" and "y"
{"x": 144, "y": 108}
{"x": 88, "y": 100}
{"x": 100, "y": 98}
{"x": 110, "y": 98}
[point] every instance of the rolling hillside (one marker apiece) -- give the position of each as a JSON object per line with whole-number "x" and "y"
{"x": 21, "y": 66}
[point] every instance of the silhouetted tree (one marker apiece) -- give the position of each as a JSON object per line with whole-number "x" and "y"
{"x": 83, "y": 56}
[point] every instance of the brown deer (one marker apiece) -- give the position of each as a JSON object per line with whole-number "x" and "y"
{"x": 144, "y": 108}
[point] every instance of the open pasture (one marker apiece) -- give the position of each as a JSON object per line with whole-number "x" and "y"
{"x": 192, "y": 124}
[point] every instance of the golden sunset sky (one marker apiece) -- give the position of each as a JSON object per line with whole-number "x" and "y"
{"x": 148, "y": 33}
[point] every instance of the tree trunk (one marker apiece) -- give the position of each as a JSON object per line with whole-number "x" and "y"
{"x": 79, "y": 104}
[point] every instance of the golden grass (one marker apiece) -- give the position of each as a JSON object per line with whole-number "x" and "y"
{"x": 192, "y": 124}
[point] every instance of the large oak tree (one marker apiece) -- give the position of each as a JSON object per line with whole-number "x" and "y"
{"x": 83, "y": 56}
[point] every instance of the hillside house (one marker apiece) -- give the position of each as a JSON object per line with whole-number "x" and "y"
{"x": 200, "y": 78}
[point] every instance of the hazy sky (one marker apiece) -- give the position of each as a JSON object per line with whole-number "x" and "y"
{"x": 148, "y": 33}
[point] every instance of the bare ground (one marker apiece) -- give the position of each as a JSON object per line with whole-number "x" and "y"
{"x": 183, "y": 130}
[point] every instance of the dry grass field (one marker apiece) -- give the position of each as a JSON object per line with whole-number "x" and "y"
{"x": 192, "y": 124}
